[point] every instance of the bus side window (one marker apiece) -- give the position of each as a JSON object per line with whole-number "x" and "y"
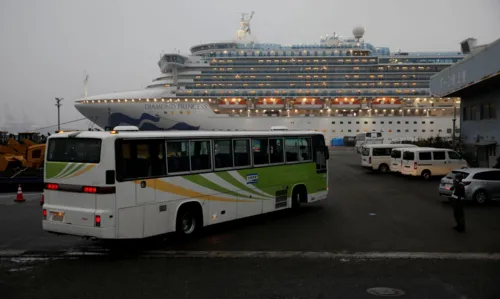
{"x": 241, "y": 150}
{"x": 223, "y": 153}
{"x": 291, "y": 149}
{"x": 200, "y": 155}
{"x": 319, "y": 149}
{"x": 305, "y": 149}
{"x": 260, "y": 151}
{"x": 177, "y": 156}
{"x": 140, "y": 159}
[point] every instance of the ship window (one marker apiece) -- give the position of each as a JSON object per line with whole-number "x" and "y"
{"x": 366, "y": 122}
{"x": 357, "y": 131}
{"x": 414, "y": 130}
{"x": 349, "y": 130}
{"x": 381, "y": 122}
{"x": 423, "y": 131}
{"x": 390, "y": 122}
{"x": 357, "y": 122}
{"x": 415, "y": 122}
{"x": 432, "y": 130}
{"x": 407, "y": 122}
{"x": 341, "y": 122}
{"x": 423, "y": 122}
{"x": 432, "y": 122}
{"x": 399, "y": 131}
{"x": 374, "y": 122}
{"x": 398, "y": 122}
{"x": 407, "y": 130}
{"x": 333, "y": 122}
{"x": 348, "y": 122}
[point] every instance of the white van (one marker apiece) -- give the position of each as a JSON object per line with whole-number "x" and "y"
{"x": 397, "y": 157}
{"x": 428, "y": 162}
{"x": 378, "y": 156}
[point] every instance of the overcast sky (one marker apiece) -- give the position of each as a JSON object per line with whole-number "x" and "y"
{"x": 46, "y": 46}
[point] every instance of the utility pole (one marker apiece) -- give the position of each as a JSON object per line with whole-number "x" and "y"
{"x": 453, "y": 137}
{"x": 58, "y": 105}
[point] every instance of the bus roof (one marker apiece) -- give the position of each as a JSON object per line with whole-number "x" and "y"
{"x": 181, "y": 134}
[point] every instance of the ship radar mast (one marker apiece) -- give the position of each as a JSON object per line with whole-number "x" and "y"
{"x": 244, "y": 32}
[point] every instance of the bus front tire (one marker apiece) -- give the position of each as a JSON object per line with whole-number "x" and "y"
{"x": 189, "y": 220}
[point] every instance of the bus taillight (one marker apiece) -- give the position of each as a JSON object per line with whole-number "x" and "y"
{"x": 88, "y": 189}
{"x": 98, "y": 221}
{"x": 51, "y": 186}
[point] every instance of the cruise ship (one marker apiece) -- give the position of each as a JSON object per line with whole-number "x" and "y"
{"x": 339, "y": 86}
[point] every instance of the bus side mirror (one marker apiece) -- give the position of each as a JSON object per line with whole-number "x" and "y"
{"x": 327, "y": 153}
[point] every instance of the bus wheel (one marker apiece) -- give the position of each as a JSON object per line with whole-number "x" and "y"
{"x": 299, "y": 196}
{"x": 188, "y": 221}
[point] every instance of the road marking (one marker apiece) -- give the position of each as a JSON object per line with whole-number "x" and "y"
{"x": 343, "y": 256}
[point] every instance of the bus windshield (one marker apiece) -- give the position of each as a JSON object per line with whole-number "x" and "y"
{"x": 78, "y": 150}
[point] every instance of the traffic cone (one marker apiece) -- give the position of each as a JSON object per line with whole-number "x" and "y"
{"x": 19, "y": 197}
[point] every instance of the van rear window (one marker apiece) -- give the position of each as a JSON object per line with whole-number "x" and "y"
{"x": 78, "y": 150}
{"x": 409, "y": 156}
{"x": 396, "y": 154}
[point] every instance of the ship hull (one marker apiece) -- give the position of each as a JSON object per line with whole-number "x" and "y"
{"x": 199, "y": 116}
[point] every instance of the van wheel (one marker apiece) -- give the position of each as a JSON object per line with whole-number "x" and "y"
{"x": 383, "y": 168}
{"x": 188, "y": 221}
{"x": 426, "y": 174}
{"x": 480, "y": 197}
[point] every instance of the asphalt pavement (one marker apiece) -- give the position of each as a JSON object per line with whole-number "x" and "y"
{"x": 374, "y": 230}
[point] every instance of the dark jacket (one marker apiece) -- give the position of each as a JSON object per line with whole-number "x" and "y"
{"x": 458, "y": 188}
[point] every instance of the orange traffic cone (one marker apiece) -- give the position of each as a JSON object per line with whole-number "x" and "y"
{"x": 19, "y": 197}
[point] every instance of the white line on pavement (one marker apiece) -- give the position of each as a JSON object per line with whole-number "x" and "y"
{"x": 279, "y": 255}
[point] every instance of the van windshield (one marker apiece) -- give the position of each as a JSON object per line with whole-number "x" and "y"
{"x": 78, "y": 150}
{"x": 408, "y": 156}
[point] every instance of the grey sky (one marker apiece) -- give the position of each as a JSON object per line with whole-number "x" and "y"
{"x": 46, "y": 46}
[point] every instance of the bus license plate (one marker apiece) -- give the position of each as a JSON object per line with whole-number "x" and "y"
{"x": 57, "y": 216}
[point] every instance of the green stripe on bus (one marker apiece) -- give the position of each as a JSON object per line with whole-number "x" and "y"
{"x": 52, "y": 169}
{"x": 228, "y": 178}
{"x": 199, "y": 180}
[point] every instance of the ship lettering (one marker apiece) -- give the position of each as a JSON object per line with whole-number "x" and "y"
{"x": 175, "y": 106}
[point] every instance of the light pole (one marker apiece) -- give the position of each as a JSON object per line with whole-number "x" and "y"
{"x": 58, "y": 105}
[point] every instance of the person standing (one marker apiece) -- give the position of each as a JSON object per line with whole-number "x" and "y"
{"x": 457, "y": 202}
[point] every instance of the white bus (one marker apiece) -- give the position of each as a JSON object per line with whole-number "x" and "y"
{"x": 368, "y": 138}
{"x": 130, "y": 185}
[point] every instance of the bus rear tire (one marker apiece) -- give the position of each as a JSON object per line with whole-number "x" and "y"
{"x": 189, "y": 220}
{"x": 299, "y": 195}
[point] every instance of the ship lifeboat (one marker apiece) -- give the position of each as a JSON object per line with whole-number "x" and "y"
{"x": 345, "y": 103}
{"x": 387, "y": 103}
{"x": 270, "y": 103}
{"x": 233, "y": 103}
{"x": 308, "y": 103}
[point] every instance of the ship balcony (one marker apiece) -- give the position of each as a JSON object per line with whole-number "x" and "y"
{"x": 307, "y": 104}
{"x": 271, "y": 103}
{"x": 387, "y": 103}
{"x": 345, "y": 103}
{"x": 232, "y": 104}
